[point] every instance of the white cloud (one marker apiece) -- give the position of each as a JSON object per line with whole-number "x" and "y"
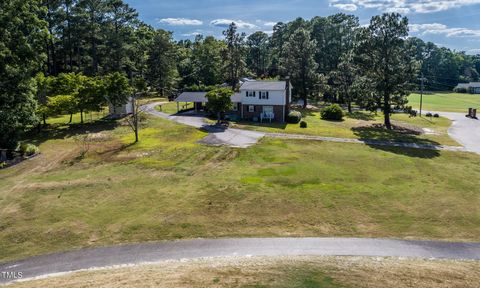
{"x": 226, "y": 22}
{"x": 270, "y": 24}
{"x": 441, "y": 29}
{"x": 191, "y": 34}
{"x": 345, "y": 6}
{"x": 180, "y": 22}
{"x": 403, "y": 6}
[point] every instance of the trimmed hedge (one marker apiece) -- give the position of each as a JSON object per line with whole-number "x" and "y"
{"x": 332, "y": 112}
{"x": 303, "y": 124}
{"x": 294, "y": 117}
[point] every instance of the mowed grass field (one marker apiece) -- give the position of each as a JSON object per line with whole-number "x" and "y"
{"x": 447, "y": 101}
{"x": 279, "y": 272}
{"x": 364, "y": 125}
{"x": 169, "y": 187}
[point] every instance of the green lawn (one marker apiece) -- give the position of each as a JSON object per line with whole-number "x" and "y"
{"x": 447, "y": 101}
{"x": 87, "y": 118}
{"x": 171, "y": 107}
{"x": 364, "y": 125}
{"x": 169, "y": 187}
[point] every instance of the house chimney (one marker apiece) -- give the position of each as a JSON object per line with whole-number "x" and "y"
{"x": 287, "y": 93}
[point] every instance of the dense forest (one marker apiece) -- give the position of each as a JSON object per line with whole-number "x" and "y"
{"x": 85, "y": 49}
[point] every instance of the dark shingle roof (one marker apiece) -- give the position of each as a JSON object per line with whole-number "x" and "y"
{"x": 264, "y": 85}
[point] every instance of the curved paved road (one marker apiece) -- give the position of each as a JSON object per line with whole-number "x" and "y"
{"x": 464, "y": 130}
{"x": 238, "y": 247}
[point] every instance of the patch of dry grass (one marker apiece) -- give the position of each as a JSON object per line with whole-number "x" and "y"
{"x": 305, "y": 271}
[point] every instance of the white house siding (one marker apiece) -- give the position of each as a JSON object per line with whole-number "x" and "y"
{"x": 274, "y": 98}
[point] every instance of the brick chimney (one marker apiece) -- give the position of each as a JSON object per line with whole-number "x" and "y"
{"x": 287, "y": 95}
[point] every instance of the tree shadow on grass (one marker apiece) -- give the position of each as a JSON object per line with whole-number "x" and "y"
{"x": 359, "y": 115}
{"x": 400, "y": 140}
{"x": 66, "y": 131}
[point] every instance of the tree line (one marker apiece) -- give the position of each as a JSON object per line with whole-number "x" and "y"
{"x": 85, "y": 42}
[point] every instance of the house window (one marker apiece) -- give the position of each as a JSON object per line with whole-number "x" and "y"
{"x": 251, "y": 108}
{"x": 264, "y": 95}
{"x": 250, "y": 93}
{"x": 235, "y": 107}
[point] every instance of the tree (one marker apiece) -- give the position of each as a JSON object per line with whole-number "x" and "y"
{"x": 117, "y": 89}
{"x": 207, "y": 60}
{"x": 219, "y": 101}
{"x": 257, "y": 57}
{"x": 162, "y": 72}
{"x": 22, "y": 36}
{"x": 234, "y": 54}
{"x": 120, "y": 18}
{"x": 139, "y": 86}
{"x": 298, "y": 61}
{"x": 61, "y": 104}
{"x": 343, "y": 79}
{"x": 386, "y": 59}
{"x": 90, "y": 95}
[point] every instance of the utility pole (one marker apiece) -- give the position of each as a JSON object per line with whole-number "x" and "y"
{"x": 422, "y": 81}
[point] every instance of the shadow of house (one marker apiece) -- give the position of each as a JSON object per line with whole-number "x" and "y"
{"x": 400, "y": 140}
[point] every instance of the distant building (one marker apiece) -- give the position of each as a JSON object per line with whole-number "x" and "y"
{"x": 257, "y": 100}
{"x": 472, "y": 87}
{"x": 121, "y": 110}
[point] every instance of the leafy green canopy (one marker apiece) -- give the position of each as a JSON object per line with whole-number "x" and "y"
{"x": 22, "y": 34}
{"x": 219, "y": 101}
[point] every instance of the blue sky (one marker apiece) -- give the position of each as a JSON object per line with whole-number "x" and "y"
{"x": 450, "y": 23}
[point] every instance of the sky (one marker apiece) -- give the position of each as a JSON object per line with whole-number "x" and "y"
{"x": 450, "y": 23}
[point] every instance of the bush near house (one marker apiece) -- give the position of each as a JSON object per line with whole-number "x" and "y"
{"x": 460, "y": 90}
{"x": 303, "y": 124}
{"x": 294, "y": 117}
{"x": 332, "y": 112}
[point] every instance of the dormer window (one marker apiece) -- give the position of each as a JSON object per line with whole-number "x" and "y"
{"x": 263, "y": 95}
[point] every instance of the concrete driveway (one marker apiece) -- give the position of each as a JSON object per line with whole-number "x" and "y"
{"x": 217, "y": 135}
{"x": 465, "y": 131}
{"x": 236, "y": 247}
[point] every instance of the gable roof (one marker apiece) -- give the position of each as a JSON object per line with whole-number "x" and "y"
{"x": 264, "y": 85}
{"x": 468, "y": 85}
{"x": 192, "y": 97}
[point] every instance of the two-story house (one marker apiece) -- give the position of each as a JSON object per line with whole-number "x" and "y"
{"x": 264, "y": 100}
{"x": 256, "y": 100}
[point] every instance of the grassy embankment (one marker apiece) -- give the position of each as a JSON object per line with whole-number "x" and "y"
{"x": 169, "y": 187}
{"x": 279, "y": 272}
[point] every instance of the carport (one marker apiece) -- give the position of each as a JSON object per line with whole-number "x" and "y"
{"x": 197, "y": 98}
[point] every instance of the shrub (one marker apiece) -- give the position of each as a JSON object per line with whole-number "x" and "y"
{"x": 429, "y": 114}
{"x": 28, "y": 149}
{"x": 332, "y": 112}
{"x": 294, "y": 117}
{"x": 460, "y": 90}
{"x": 436, "y": 115}
{"x": 303, "y": 124}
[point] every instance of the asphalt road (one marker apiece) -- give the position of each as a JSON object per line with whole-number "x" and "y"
{"x": 465, "y": 131}
{"x": 238, "y": 247}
